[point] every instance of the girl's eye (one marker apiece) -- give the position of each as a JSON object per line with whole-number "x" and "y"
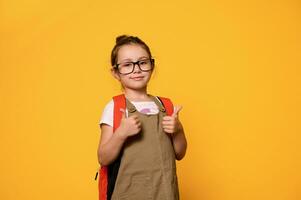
{"x": 126, "y": 64}
{"x": 143, "y": 62}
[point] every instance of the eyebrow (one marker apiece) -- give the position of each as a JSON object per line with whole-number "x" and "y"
{"x": 128, "y": 59}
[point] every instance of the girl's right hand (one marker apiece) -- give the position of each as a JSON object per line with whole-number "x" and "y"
{"x": 130, "y": 126}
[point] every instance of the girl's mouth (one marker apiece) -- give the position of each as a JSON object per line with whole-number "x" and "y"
{"x": 137, "y": 78}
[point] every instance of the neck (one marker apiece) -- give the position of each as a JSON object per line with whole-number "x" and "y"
{"x": 136, "y": 95}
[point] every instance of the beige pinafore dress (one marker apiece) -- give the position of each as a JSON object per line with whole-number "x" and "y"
{"x": 147, "y": 169}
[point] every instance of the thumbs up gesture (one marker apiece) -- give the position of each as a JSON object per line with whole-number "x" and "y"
{"x": 129, "y": 125}
{"x": 171, "y": 124}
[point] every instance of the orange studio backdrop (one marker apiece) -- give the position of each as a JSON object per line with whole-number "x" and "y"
{"x": 234, "y": 66}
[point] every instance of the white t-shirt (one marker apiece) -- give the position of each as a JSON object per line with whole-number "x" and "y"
{"x": 146, "y": 107}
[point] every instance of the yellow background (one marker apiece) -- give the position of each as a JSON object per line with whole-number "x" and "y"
{"x": 234, "y": 66}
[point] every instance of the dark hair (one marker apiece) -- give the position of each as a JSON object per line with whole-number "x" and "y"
{"x": 126, "y": 40}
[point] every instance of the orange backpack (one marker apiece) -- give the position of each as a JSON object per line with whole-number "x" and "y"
{"x": 106, "y": 182}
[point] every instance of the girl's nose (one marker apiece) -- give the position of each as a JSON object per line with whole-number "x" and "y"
{"x": 136, "y": 68}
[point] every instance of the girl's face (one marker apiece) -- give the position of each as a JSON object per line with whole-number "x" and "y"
{"x": 138, "y": 79}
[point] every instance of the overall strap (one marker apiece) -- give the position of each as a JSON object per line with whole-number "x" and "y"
{"x": 130, "y": 107}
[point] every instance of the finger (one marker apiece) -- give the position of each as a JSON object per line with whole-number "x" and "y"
{"x": 168, "y": 127}
{"x": 123, "y": 113}
{"x": 136, "y": 121}
{"x": 167, "y": 130}
{"x": 167, "y": 118}
{"x": 169, "y": 122}
{"x": 138, "y": 126}
{"x": 177, "y": 110}
{"x": 134, "y": 116}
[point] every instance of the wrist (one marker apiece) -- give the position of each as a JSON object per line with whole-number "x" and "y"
{"x": 121, "y": 133}
{"x": 179, "y": 130}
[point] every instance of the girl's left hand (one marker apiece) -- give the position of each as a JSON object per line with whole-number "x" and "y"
{"x": 171, "y": 124}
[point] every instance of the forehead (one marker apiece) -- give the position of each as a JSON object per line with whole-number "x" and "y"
{"x": 131, "y": 52}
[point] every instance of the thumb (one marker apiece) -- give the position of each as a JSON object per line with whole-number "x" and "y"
{"x": 176, "y": 110}
{"x": 123, "y": 113}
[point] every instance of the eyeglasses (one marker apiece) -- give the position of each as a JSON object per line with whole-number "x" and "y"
{"x": 128, "y": 67}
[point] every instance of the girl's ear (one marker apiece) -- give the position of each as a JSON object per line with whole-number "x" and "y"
{"x": 115, "y": 74}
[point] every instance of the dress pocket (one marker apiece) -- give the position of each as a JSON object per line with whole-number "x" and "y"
{"x": 139, "y": 188}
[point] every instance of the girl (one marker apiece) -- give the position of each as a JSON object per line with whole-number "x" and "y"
{"x": 140, "y": 155}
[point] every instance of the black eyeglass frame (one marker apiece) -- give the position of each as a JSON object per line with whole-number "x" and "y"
{"x": 152, "y": 62}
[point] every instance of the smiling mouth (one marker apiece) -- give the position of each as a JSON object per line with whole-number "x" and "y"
{"x": 138, "y": 78}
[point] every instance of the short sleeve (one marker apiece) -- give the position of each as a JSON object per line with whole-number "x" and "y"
{"x": 107, "y": 114}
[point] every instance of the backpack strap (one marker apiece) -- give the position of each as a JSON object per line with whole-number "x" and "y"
{"x": 119, "y": 102}
{"x": 105, "y": 182}
{"x": 166, "y": 102}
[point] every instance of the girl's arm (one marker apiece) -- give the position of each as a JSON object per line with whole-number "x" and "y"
{"x": 173, "y": 126}
{"x": 179, "y": 142}
{"x": 109, "y": 145}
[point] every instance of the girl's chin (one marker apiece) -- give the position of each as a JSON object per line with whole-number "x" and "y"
{"x": 137, "y": 86}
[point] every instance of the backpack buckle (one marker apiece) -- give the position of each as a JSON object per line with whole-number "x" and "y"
{"x": 162, "y": 109}
{"x": 131, "y": 109}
